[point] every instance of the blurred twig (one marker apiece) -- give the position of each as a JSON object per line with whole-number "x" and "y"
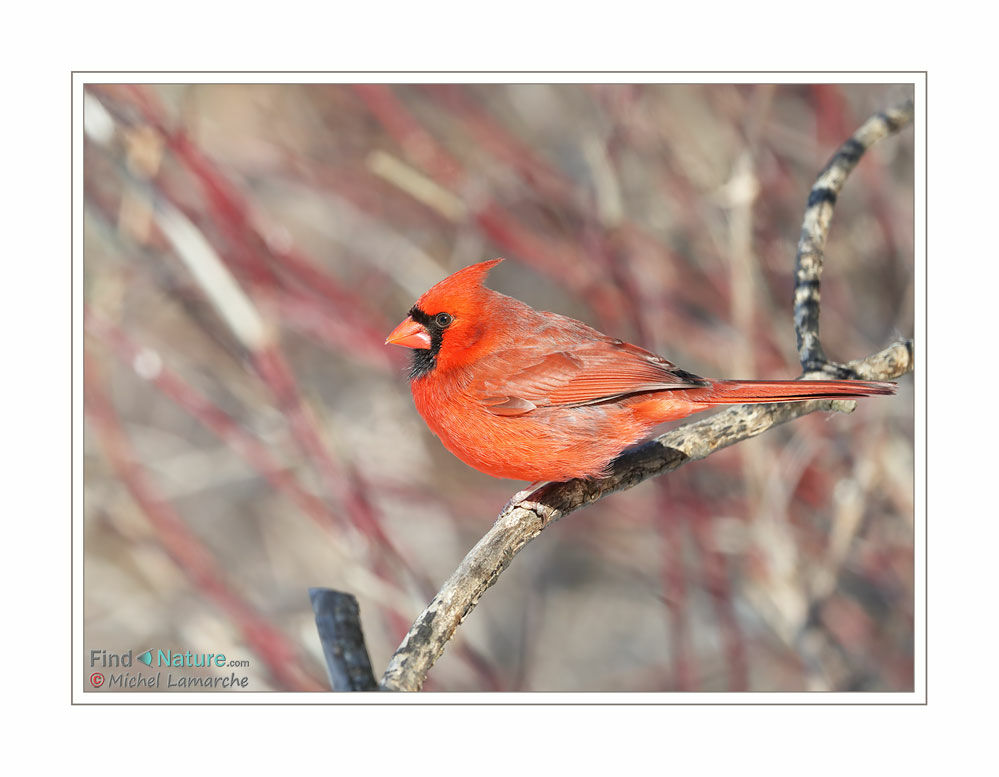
{"x": 279, "y": 654}
{"x": 557, "y": 258}
{"x": 715, "y": 581}
{"x": 235, "y": 268}
{"x": 212, "y": 417}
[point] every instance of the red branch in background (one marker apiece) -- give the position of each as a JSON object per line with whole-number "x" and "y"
{"x": 230, "y": 212}
{"x": 558, "y": 259}
{"x": 278, "y": 654}
{"x": 250, "y": 256}
{"x": 214, "y": 418}
{"x": 287, "y": 282}
{"x": 669, "y": 523}
{"x": 715, "y": 580}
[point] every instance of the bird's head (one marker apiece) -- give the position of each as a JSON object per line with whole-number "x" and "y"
{"x": 448, "y": 324}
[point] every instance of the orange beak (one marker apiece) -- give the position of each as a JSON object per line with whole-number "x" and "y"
{"x": 410, "y": 335}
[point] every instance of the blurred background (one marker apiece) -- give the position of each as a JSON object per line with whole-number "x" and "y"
{"x": 248, "y": 435}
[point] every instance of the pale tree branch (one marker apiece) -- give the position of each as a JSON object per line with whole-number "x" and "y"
{"x": 530, "y": 513}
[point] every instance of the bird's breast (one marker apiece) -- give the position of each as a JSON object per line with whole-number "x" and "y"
{"x": 549, "y": 443}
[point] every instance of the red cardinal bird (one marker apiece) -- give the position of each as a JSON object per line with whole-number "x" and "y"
{"x": 517, "y": 393}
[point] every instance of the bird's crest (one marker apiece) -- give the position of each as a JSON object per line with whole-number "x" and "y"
{"x": 462, "y": 285}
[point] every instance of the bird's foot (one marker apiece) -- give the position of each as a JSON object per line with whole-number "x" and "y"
{"x": 524, "y": 494}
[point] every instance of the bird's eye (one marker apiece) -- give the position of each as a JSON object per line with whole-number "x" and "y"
{"x": 443, "y": 320}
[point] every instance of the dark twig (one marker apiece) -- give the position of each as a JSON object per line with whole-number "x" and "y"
{"x": 339, "y": 624}
{"x": 815, "y": 229}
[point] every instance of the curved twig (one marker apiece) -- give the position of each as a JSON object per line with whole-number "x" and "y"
{"x": 815, "y": 229}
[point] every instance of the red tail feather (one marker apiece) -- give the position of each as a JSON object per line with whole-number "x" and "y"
{"x": 727, "y": 392}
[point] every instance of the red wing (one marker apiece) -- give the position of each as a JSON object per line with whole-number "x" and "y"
{"x": 578, "y": 374}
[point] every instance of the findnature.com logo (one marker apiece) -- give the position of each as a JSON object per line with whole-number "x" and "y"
{"x": 127, "y": 679}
